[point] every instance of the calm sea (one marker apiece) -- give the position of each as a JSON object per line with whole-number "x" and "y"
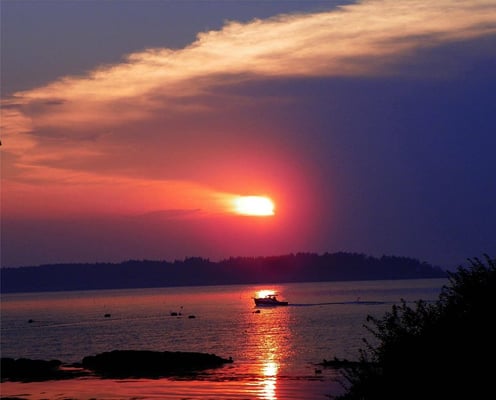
{"x": 275, "y": 351}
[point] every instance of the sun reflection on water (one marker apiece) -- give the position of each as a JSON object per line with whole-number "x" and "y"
{"x": 269, "y": 337}
{"x": 264, "y": 293}
{"x": 269, "y": 380}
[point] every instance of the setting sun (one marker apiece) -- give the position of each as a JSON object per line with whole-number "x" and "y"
{"x": 254, "y": 205}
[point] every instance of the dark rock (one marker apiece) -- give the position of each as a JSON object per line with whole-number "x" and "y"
{"x": 136, "y": 363}
{"x": 24, "y": 369}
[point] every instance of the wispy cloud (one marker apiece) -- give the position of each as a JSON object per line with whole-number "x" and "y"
{"x": 139, "y": 122}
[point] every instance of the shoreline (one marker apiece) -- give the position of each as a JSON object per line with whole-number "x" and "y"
{"x": 74, "y": 382}
{"x": 126, "y": 375}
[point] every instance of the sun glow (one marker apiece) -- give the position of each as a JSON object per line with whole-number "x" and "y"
{"x": 264, "y": 293}
{"x": 254, "y": 205}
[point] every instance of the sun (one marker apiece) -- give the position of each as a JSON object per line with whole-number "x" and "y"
{"x": 259, "y": 206}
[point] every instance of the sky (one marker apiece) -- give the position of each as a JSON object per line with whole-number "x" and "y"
{"x": 129, "y": 128}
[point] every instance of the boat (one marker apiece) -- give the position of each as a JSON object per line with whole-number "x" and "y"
{"x": 269, "y": 300}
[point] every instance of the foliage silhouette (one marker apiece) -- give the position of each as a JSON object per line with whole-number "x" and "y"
{"x": 439, "y": 350}
{"x": 192, "y": 271}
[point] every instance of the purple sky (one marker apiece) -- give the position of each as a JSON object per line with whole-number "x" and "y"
{"x": 129, "y": 127}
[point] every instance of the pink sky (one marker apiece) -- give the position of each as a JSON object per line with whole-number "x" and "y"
{"x": 168, "y": 137}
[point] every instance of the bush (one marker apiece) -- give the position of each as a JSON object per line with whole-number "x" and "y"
{"x": 439, "y": 350}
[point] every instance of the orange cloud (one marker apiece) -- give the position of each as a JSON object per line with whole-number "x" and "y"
{"x": 63, "y": 194}
{"x": 134, "y": 125}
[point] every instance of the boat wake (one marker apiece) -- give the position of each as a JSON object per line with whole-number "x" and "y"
{"x": 357, "y": 302}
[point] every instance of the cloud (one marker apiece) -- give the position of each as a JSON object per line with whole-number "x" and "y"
{"x": 168, "y": 118}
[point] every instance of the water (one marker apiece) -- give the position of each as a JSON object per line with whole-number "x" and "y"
{"x": 272, "y": 349}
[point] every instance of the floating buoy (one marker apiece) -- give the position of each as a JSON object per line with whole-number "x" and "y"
{"x": 176, "y": 313}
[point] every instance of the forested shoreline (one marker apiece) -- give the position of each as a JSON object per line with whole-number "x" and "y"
{"x": 298, "y": 267}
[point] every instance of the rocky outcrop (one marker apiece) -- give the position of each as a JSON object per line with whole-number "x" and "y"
{"x": 135, "y": 363}
{"x": 24, "y": 369}
{"x": 113, "y": 364}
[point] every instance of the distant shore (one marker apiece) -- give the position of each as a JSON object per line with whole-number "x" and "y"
{"x": 197, "y": 271}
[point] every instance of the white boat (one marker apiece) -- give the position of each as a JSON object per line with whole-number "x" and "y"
{"x": 269, "y": 300}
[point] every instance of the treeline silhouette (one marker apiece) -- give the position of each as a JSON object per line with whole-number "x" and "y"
{"x": 299, "y": 267}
